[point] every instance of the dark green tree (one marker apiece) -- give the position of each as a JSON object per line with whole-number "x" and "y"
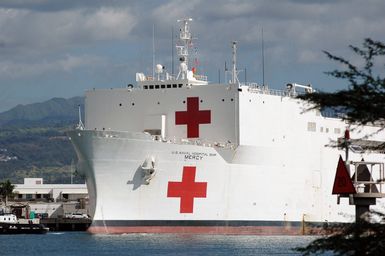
{"x": 6, "y": 190}
{"x": 363, "y": 102}
{"x": 358, "y": 239}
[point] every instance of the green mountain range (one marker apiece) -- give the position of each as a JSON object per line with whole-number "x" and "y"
{"x": 33, "y": 141}
{"x": 53, "y": 110}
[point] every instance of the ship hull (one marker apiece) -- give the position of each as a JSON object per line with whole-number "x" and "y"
{"x": 207, "y": 227}
{"x": 239, "y": 197}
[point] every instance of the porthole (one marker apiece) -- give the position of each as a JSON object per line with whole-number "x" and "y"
{"x": 223, "y": 100}
{"x": 133, "y": 104}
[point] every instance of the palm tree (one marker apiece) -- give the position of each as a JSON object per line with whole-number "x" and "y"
{"x": 6, "y": 190}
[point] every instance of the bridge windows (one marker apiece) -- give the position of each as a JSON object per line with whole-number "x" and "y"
{"x": 161, "y": 86}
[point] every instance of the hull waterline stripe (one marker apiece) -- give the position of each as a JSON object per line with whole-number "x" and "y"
{"x": 201, "y": 223}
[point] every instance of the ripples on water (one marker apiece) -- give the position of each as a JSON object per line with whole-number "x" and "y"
{"x": 81, "y": 243}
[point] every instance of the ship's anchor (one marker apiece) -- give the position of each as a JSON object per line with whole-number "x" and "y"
{"x": 148, "y": 169}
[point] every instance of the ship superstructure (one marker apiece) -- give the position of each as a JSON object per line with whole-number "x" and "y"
{"x": 178, "y": 154}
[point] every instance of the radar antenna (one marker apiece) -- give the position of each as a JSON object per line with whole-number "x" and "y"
{"x": 185, "y": 41}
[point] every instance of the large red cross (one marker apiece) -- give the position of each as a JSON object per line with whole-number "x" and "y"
{"x": 187, "y": 190}
{"x": 193, "y": 117}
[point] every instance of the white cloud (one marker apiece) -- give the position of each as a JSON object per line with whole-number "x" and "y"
{"x": 63, "y": 36}
{"x": 26, "y": 30}
{"x": 67, "y": 64}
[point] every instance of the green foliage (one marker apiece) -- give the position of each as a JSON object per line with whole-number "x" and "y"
{"x": 6, "y": 190}
{"x": 48, "y": 113}
{"x": 363, "y": 103}
{"x": 35, "y": 135}
{"x": 364, "y": 100}
{"x": 41, "y": 151}
{"x": 358, "y": 239}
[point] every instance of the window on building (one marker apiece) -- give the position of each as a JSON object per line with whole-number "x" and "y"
{"x": 337, "y": 130}
{"x": 311, "y": 126}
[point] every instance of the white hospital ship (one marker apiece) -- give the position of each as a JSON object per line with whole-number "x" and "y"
{"x": 177, "y": 154}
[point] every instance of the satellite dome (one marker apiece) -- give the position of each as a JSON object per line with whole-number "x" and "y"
{"x": 158, "y": 68}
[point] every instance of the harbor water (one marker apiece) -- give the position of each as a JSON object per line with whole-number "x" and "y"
{"x": 82, "y": 243}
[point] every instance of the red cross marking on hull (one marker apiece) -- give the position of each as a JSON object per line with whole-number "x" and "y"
{"x": 187, "y": 190}
{"x": 193, "y": 117}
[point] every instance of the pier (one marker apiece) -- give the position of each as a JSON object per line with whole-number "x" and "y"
{"x": 65, "y": 224}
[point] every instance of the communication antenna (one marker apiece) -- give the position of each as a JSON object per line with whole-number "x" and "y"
{"x": 172, "y": 50}
{"x": 234, "y": 79}
{"x": 72, "y": 171}
{"x": 153, "y": 51}
{"x": 80, "y": 124}
{"x": 185, "y": 41}
{"x": 263, "y": 62}
{"x": 245, "y": 75}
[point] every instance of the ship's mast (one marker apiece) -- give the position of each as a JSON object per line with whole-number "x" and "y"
{"x": 234, "y": 72}
{"x": 182, "y": 47}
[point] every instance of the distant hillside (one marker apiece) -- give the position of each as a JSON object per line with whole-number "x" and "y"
{"x": 33, "y": 141}
{"x": 48, "y": 112}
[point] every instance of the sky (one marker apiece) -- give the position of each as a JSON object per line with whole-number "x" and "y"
{"x": 61, "y": 48}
